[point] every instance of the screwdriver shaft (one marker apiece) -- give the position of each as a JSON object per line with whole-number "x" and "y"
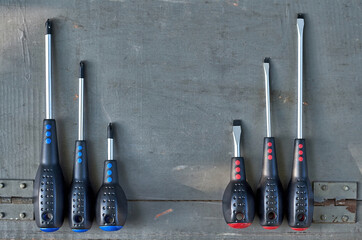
{"x": 81, "y": 110}
{"x": 267, "y": 98}
{"x": 110, "y": 141}
{"x": 300, "y": 26}
{"x": 110, "y": 149}
{"x": 237, "y": 138}
{"x": 48, "y": 75}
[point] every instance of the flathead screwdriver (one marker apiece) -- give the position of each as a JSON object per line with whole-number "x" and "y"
{"x": 300, "y": 196}
{"x": 49, "y": 181}
{"x": 269, "y": 194}
{"x": 111, "y": 202}
{"x": 238, "y": 200}
{"x": 81, "y": 195}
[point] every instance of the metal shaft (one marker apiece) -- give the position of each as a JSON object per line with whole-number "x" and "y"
{"x": 48, "y": 75}
{"x": 110, "y": 141}
{"x": 81, "y": 110}
{"x": 237, "y": 139}
{"x": 300, "y": 26}
{"x": 110, "y": 148}
{"x": 267, "y": 98}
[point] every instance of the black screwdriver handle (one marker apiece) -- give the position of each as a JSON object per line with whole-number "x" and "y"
{"x": 300, "y": 196}
{"x": 270, "y": 191}
{"x": 238, "y": 200}
{"x": 49, "y": 183}
{"x": 111, "y": 202}
{"x": 237, "y": 169}
{"x": 81, "y": 194}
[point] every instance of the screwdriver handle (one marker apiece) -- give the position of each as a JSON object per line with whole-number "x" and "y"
{"x": 49, "y": 183}
{"x": 270, "y": 191}
{"x": 81, "y": 194}
{"x": 300, "y": 169}
{"x": 110, "y": 174}
{"x": 270, "y": 168}
{"x": 238, "y": 200}
{"x": 111, "y": 203}
{"x": 300, "y": 196}
{"x": 237, "y": 169}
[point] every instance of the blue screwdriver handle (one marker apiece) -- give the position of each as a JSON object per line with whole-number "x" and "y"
{"x": 81, "y": 194}
{"x": 111, "y": 205}
{"x": 49, "y": 182}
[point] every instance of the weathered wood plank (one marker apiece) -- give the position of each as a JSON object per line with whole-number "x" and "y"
{"x": 184, "y": 220}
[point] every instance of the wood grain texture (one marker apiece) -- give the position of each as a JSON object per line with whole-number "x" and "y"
{"x": 172, "y": 75}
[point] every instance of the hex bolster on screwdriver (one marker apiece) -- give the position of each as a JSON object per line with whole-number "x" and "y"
{"x": 49, "y": 182}
{"x": 81, "y": 194}
{"x": 111, "y": 202}
{"x": 300, "y": 193}
{"x": 270, "y": 191}
{"x": 238, "y": 199}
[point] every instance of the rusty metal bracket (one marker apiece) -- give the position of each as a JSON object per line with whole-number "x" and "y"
{"x": 335, "y": 202}
{"x": 16, "y": 199}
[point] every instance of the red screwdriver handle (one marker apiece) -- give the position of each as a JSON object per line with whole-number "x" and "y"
{"x": 270, "y": 191}
{"x": 237, "y": 169}
{"x": 238, "y": 199}
{"x": 300, "y": 196}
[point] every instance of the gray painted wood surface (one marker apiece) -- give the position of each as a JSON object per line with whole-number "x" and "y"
{"x": 172, "y": 75}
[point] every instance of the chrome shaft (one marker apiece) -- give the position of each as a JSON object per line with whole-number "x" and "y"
{"x": 267, "y": 99}
{"x": 110, "y": 148}
{"x": 81, "y": 110}
{"x": 237, "y": 138}
{"x": 300, "y": 26}
{"x": 48, "y": 76}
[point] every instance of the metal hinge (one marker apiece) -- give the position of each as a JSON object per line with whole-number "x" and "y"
{"x": 16, "y": 199}
{"x": 335, "y": 202}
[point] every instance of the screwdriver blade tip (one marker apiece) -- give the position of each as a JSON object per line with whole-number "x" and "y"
{"x": 110, "y": 131}
{"x": 267, "y": 60}
{"x": 237, "y": 123}
{"x": 81, "y": 70}
{"x": 48, "y": 26}
{"x": 301, "y": 15}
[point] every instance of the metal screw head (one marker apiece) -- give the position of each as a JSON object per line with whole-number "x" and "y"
{"x": 323, "y": 217}
{"x": 324, "y": 187}
{"x": 22, "y": 215}
{"x": 22, "y": 185}
{"x": 2, "y": 185}
{"x": 345, "y": 188}
{"x": 2, "y": 214}
{"x": 345, "y": 218}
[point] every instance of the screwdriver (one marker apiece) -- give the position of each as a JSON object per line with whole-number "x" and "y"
{"x": 269, "y": 193}
{"x": 238, "y": 200}
{"x": 300, "y": 193}
{"x": 111, "y": 205}
{"x": 49, "y": 181}
{"x": 81, "y": 194}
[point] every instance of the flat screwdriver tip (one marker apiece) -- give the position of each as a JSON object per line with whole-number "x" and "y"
{"x": 301, "y": 15}
{"x": 109, "y": 131}
{"x": 237, "y": 137}
{"x": 48, "y": 26}
{"x": 267, "y": 60}
{"x": 81, "y": 69}
{"x": 237, "y": 123}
